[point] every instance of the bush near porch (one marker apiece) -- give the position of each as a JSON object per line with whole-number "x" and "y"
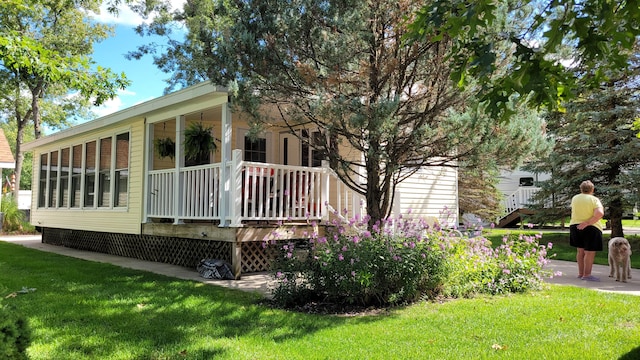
{"x": 401, "y": 261}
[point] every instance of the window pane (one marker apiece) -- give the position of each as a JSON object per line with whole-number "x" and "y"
{"x": 42, "y": 186}
{"x": 64, "y": 178}
{"x": 53, "y": 180}
{"x": 90, "y": 174}
{"x": 255, "y": 150}
{"x": 304, "y": 147}
{"x": 76, "y": 176}
{"x": 122, "y": 170}
{"x": 311, "y": 156}
{"x": 316, "y": 155}
{"x": 104, "y": 187}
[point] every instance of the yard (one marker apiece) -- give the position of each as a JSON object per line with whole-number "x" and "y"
{"x": 85, "y": 310}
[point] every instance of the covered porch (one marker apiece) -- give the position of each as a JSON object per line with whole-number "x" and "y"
{"x": 233, "y": 199}
{"x": 269, "y": 180}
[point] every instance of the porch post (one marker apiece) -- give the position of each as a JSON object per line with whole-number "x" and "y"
{"x": 225, "y": 152}
{"x": 236, "y": 258}
{"x": 177, "y": 179}
{"x": 148, "y": 165}
{"x": 235, "y": 189}
{"x": 324, "y": 192}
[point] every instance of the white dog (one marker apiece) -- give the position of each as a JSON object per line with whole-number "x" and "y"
{"x": 620, "y": 259}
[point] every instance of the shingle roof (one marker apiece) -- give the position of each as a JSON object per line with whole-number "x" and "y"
{"x": 6, "y": 156}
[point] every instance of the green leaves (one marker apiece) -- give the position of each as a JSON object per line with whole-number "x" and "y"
{"x": 543, "y": 47}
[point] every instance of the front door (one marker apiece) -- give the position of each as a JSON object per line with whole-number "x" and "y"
{"x": 289, "y": 149}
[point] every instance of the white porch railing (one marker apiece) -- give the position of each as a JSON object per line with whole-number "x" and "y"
{"x": 519, "y": 199}
{"x": 256, "y": 192}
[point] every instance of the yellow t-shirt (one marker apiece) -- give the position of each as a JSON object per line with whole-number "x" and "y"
{"x": 582, "y": 207}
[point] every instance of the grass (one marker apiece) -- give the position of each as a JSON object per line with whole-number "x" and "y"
{"x": 87, "y": 310}
{"x": 561, "y": 247}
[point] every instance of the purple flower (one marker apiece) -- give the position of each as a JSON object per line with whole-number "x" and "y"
{"x": 340, "y": 257}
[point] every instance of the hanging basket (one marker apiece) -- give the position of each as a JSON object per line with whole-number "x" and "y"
{"x": 165, "y": 147}
{"x": 199, "y": 142}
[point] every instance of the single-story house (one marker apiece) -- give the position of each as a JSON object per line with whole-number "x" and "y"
{"x": 121, "y": 184}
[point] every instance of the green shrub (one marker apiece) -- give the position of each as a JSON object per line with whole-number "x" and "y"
{"x": 392, "y": 264}
{"x": 401, "y": 261}
{"x": 14, "y": 218}
{"x": 474, "y": 266}
{"x": 14, "y": 334}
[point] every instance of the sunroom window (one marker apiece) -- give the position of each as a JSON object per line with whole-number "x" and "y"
{"x": 71, "y": 177}
{"x": 104, "y": 186}
{"x": 89, "y": 174}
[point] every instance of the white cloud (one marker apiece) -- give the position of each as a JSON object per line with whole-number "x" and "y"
{"x": 112, "y": 105}
{"x": 126, "y": 16}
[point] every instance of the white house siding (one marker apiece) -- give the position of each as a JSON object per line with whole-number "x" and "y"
{"x": 121, "y": 220}
{"x": 428, "y": 193}
{"x": 509, "y": 181}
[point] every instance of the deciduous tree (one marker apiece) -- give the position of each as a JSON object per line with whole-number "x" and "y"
{"x": 46, "y": 71}
{"x": 547, "y": 47}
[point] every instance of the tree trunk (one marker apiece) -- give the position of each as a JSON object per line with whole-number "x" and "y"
{"x": 19, "y": 158}
{"x": 21, "y": 121}
{"x": 36, "y": 94}
{"x": 615, "y": 218}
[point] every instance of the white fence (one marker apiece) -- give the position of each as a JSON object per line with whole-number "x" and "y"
{"x": 255, "y": 191}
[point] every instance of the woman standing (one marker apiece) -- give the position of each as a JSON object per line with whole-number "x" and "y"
{"x": 585, "y": 229}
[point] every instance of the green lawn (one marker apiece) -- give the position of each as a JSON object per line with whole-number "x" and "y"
{"x": 88, "y": 310}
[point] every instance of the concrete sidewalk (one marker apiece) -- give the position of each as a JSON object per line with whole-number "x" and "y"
{"x": 261, "y": 282}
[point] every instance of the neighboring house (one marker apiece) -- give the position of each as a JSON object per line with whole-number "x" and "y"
{"x": 518, "y": 188}
{"x": 104, "y": 185}
{"x": 6, "y": 158}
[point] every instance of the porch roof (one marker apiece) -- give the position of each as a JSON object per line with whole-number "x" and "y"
{"x": 141, "y": 110}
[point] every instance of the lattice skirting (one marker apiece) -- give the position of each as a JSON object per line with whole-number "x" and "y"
{"x": 169, "y": 250}
{"x": 255, "y": 257}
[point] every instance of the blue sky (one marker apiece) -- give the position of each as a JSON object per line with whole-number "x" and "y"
{"x": 147, "y": 81}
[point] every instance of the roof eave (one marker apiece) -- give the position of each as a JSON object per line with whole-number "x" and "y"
{"x": 141, "y": 109}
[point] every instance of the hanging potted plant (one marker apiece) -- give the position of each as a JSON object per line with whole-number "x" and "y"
{"x": 165, "y": 147}
{"x": 199, "y": 142}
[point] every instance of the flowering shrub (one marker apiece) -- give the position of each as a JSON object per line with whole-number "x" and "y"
{"x": 474, "y": 266}
{"x": 400, "y": 261}
{"x": 392, "y": 264}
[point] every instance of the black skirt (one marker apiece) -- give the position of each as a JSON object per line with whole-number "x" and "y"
{"x": 589, "y": 238}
